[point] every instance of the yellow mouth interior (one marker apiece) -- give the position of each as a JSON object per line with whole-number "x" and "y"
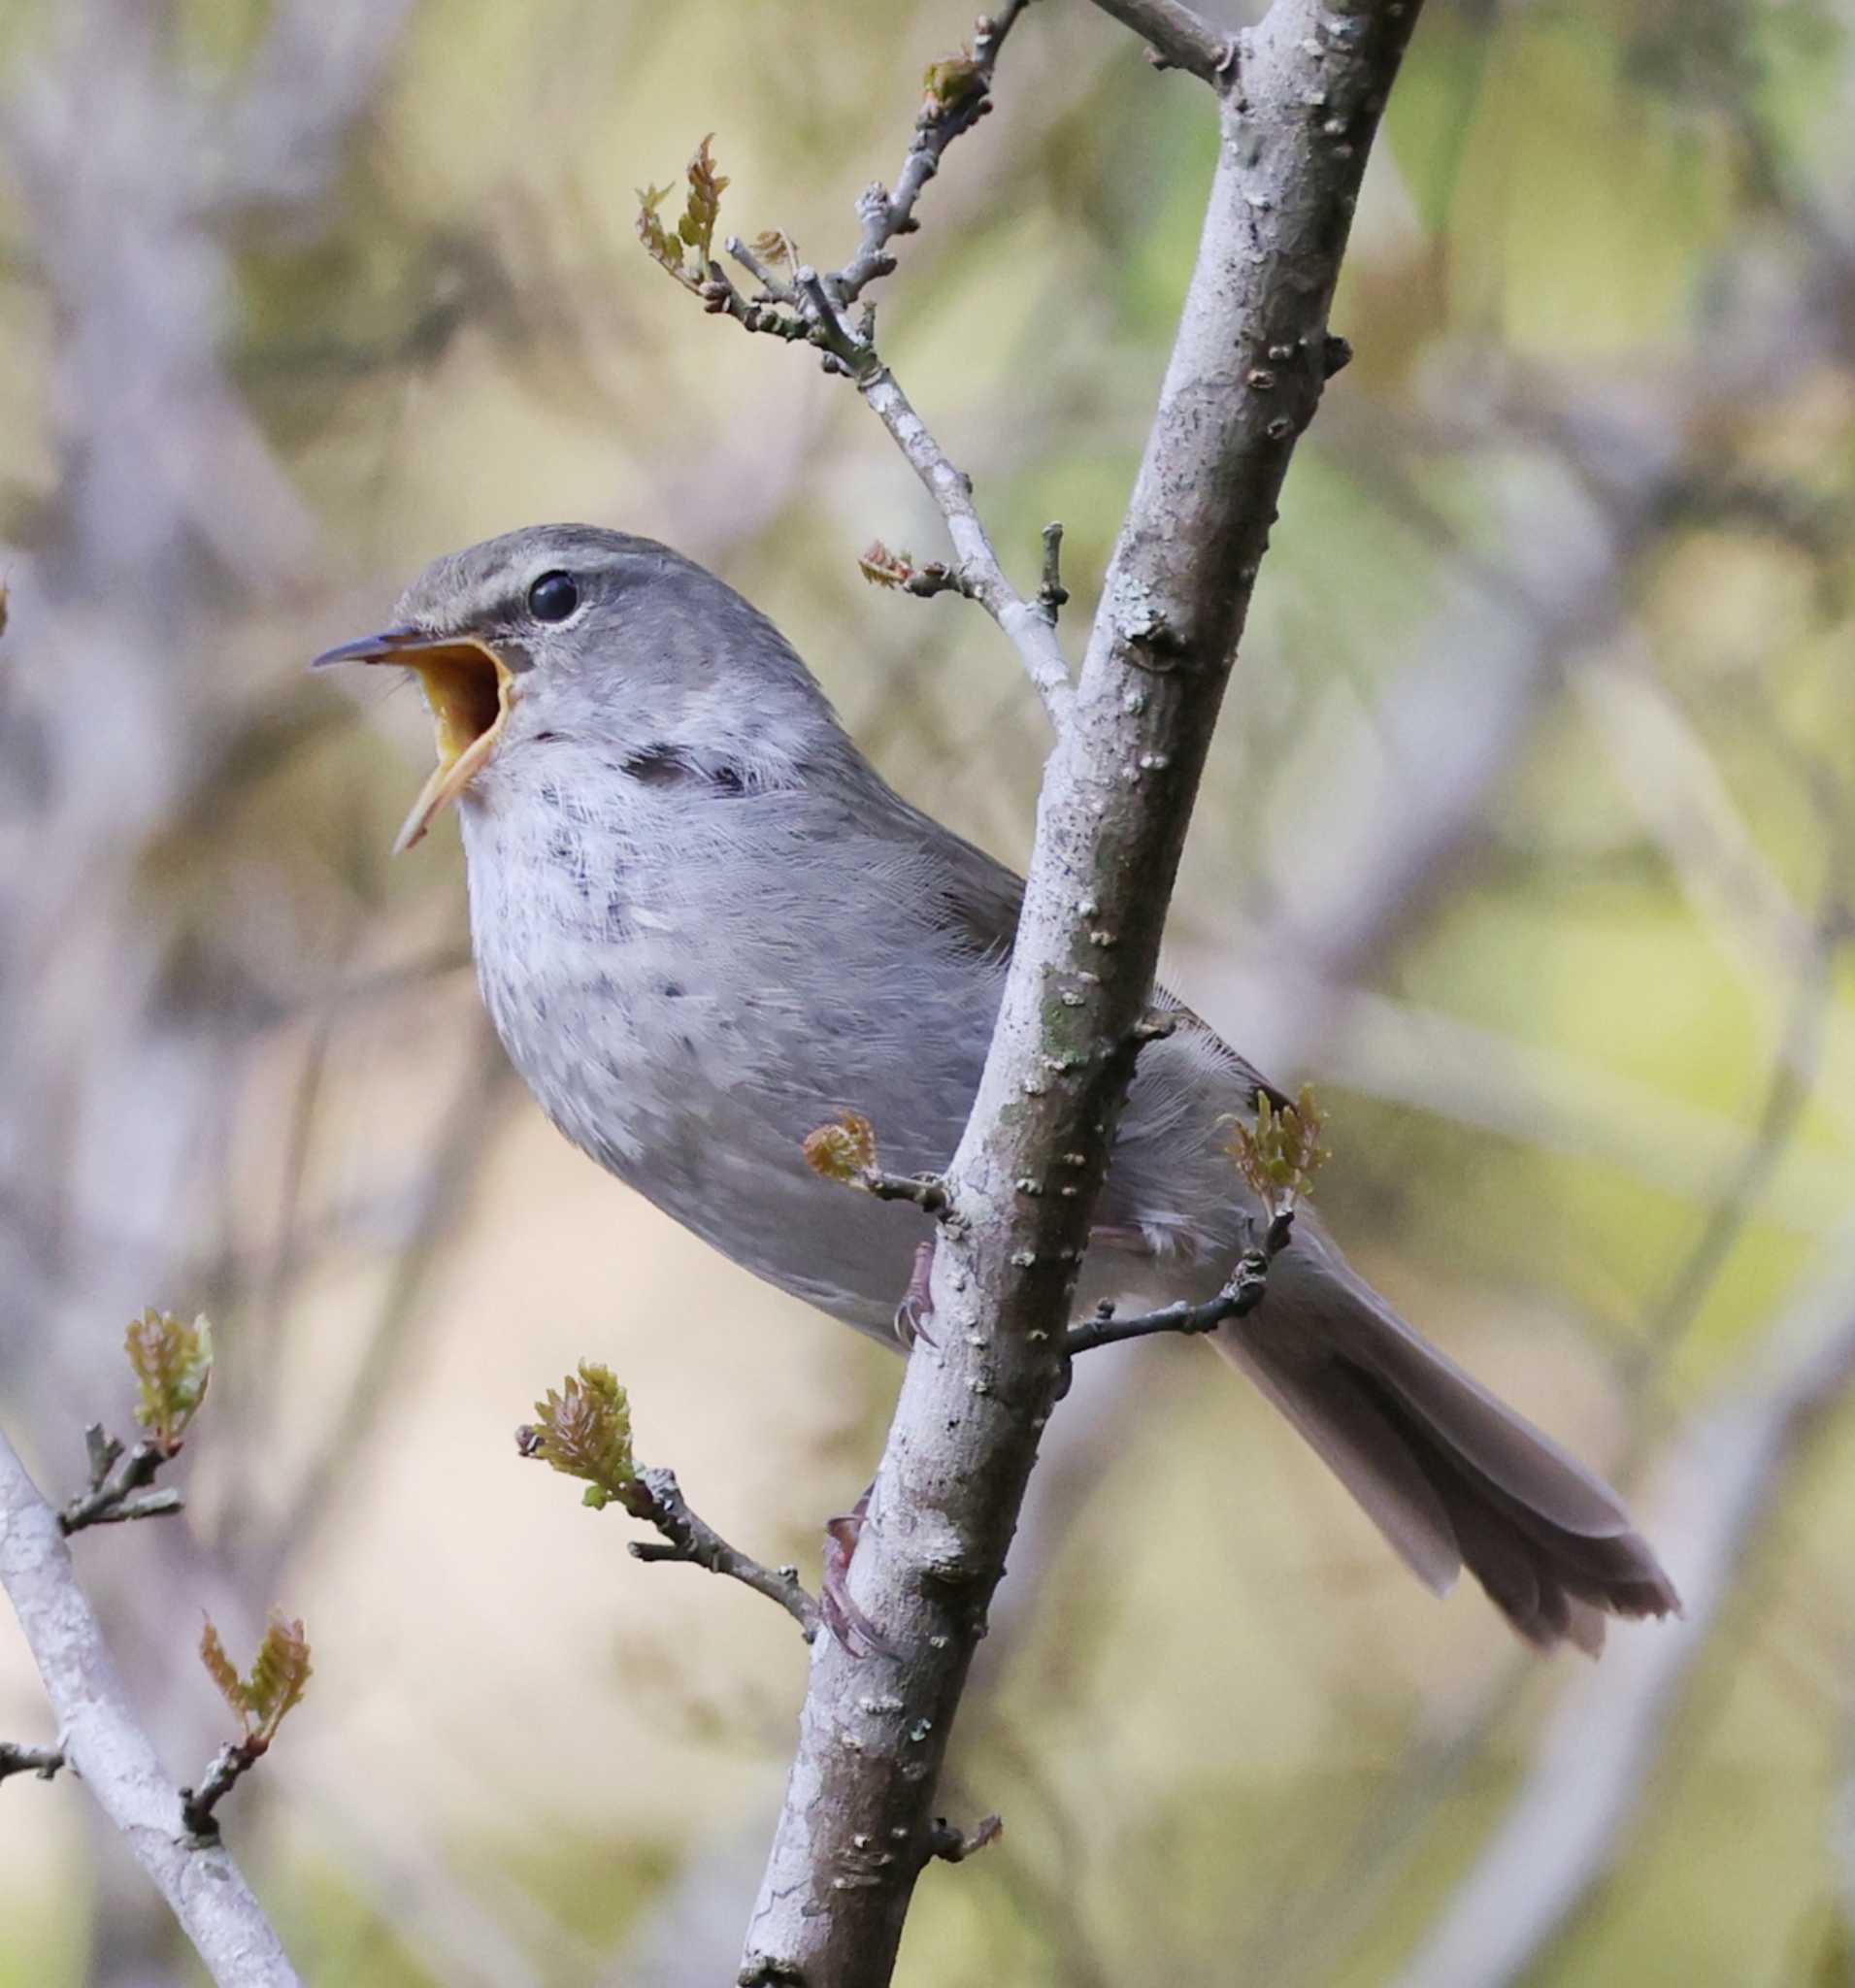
{"x": 467, "y": 686}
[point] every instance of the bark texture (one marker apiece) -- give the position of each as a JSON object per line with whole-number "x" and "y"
{"x": 1298, "y": 109}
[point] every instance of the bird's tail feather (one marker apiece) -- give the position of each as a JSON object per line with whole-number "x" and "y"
{"x": 1448, "y": 1472}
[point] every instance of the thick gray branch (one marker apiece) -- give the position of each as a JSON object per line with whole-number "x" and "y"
{"x": 103, "y": 1745}
{"x": 1246, "y": 376}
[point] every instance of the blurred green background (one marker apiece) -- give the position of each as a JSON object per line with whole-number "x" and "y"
{"x": 1528, "y": 837}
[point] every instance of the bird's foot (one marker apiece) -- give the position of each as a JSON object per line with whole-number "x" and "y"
{"x": 916, "y": 1307}
{"x": 847, "y": 1622}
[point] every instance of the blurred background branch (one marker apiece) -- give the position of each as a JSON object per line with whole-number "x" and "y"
{"x": 101, "y": 1741}
{"x": 1718, "y": 1488}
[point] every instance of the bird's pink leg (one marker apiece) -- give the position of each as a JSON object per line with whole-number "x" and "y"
{"x": 845, "y": 1621}
{"x": 841, "y": 1616}
{"x": 917, "y": 1306}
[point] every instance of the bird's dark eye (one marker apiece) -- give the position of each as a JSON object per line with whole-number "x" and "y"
{"x": 553, "y": 597}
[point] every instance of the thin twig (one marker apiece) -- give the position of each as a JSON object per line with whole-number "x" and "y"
{"x": 983, "y": 578}
{"x": 43, "y": 1761}
{"x": 582, "y": 1448}
{"x": 1180, "y": 37}
{"x": 954, "y": 1845}
{"x": 1245, "y": 1289}
{"x": 846, "y": 1150}
{"x": 234, "y": 1760}
{"x": 685, "y": 1537}
{"x": 885, "y": 214}
{"x": 118, "y": 1479}
{"x": 936, "y": 579}
{"x": 1052, "y": 596}
{"x": 813, "y": 306}
{"x": 927, "y": 1191}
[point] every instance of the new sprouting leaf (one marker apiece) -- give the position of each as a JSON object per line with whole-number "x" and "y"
{"x": 954, "y": 80}
{"x": 773, "y": 246}
{"x": 650, "y": 231}
{"x": 883, "y": 568}
{"x": 845, "y": 1151}
{"x": 221, "y": 1669}
{"x": 280, "y": 1675}
{"x": 583, "y": 1429}
{"x": 706, "y": 186}
{"x": 1279, "y": 1155}
{"x": 687, "y": 251}
{"x": 173, "y": 1365}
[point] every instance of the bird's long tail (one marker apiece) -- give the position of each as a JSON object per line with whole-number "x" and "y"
{"x": 1448, "y": 1472}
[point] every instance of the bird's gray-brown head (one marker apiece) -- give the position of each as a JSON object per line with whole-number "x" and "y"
{"x": 566, "y": 646}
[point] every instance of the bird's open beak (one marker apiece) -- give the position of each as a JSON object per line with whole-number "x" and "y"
{"x": 467, "y": 685}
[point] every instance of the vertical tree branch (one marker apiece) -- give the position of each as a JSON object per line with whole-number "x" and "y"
{"x": 104, "y": 1743}
{"x": 1247, "y": 373}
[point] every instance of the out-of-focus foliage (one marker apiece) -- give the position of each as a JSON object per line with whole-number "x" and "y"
{"x": 1528, "y": 836}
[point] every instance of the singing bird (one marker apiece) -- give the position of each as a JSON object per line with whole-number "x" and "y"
{"x": 705, "y": 925}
